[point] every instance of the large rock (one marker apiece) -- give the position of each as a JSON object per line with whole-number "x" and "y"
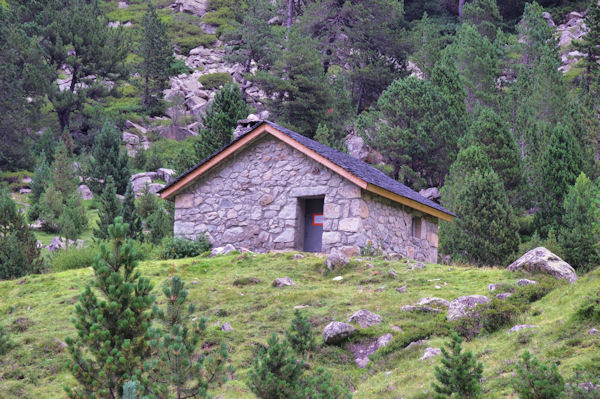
{"x": 166, "y": 174}
{"x": 222, "y": 250}
{"x": 85, "y": 192}
{"x": 357, "y": 147}
{"x": 60, "y": 243}
{"x": 541, "y": 260}
{"x": 336, "y": 260}
{"x": 434, "y": 301}
{"x": 155, "y": 187}
{"x": 195, "y": 7}
{"x": 463, "y": 306}
{"x": 365, "y": 319}
{"x": 336, "y": 332}
{"x": 431, "y": 352}
{"x": 130, "y": 139}
{"x": 431, "y": 193}
{"x": 131, "y": 125}
{"x": 139, "y": 180}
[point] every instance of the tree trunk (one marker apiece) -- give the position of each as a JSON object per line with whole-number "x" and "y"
{"x": 461, "y": 3}
{"x": 290, "y": 14}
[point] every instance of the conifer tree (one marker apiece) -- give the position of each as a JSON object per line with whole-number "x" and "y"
{"x": 276, "y": 372}
{"x": 326, "y": 136}
{"x": 485, "y": 231}
{"x": 130, "y": 214}
{"x": 63, "y": 172}
{"x": 300, "y": 335}
{"x": 538, "y": 38}
{"x": 590, "y": 43}
{"x": 51, "y": 206}
{"x": 108, "y": 209}
{"x": 560, "y": 166}
{"x": 46, "y": 144}
{"x": 460, "y": 373}
{"x": 147, "y": 203}
{"x": 39, "y": 182}
{"x": 180, "y": 368}
{"x": 483, "y": 14}
{"x": 160, "y": 224}
{"x": 157, "y": 53}
{"x": 428, "y": 44}
{"x": 535, "y": 380}
{"x": 490, "y": 132}
{"x": 73, "y": 220}
{"x": 220, "y": 120}
{"x": 112, "y": 321}
{"x": 19, "y": 254}
{"x": 108, "y": 160}
{"x": 579, "y": 234}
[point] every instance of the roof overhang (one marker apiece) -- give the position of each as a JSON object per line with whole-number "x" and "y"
{"x": 264, "y": 128}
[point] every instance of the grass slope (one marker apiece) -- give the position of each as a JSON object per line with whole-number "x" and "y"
{"x": 44, "y": 305}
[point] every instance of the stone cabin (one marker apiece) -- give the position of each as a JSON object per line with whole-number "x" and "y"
{"x": 274, "y": 189}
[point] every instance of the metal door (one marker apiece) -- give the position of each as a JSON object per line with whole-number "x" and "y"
{"x": 313, "y": 224}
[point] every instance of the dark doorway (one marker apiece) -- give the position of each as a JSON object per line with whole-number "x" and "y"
{"x": 313, "y": 224}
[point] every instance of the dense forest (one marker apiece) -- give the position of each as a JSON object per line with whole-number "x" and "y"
{"x": 492, "y": 105}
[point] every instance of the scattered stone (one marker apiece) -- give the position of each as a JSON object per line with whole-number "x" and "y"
{"x": 431, "y": 352}
{"x": 365, "y": 319}
{"x": 523, "y": 282}
{"x": 414, "y": 344}
{"x": 520, "y": 327}
{"x": 393, "y": 273}
{"x": 418, "y": 265}
{"x": 155, "y": 187}
{"x": 415, "y": 308}
{"x": 349, "y": 251}
{"x": 431, "y": 193}
{"x": 541, "y": 260}
{"x": 301, "y": 306}
{"x": 166, "y": 174}
{"x": 59, "y": 243}
{"x": 139, "y": 180}
{"x": 504, "y": 295}
{"x": 226, "y": 327}
{"x": 85, "y": 192}
{"x": 283, "y": 282}
{"x": 338, "y": 278}
{"x": 396, "y": 328}
{"x": 130, "y": 139}
{"x": 494, "y": 287}
{"x": 336, "y": 332}
{"x": 593, "y": 331}
{"x": 242, "y": 281}
{"x": 336, "y": 260}
{"x": 401, "y": 289}
{"x": 24, "y": 191}
{"x": 298, "y": 256}
{"x": 222, "y": 250}
{"x": 462, "y": 306}
{"x": 434, "y": 301}
{"x": 362, "y": 350}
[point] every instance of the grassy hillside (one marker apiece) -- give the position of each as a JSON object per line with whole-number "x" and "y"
{"x": 38, "y": 310}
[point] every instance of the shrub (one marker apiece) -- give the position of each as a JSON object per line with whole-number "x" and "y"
{"x": 535, "y": 380}
{"x": 460, "y": 373}
{"x": 177, "y": 248}
{"x": 178, "y": 67}
{"x": 590, "y": 309}
{"x": 214, "y": 80}
{"x": 584, "y": 385}
{"x": 300, "y": 335}
{"x": 73, "y": 258}
{"x": 6, "y": 343}
{"x": 533, "y": 292}
{"x": 499, "y": 313}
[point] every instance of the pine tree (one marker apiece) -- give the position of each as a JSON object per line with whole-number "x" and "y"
{"x": 73, "y": 219}
{"x": 590, "y": 43}
{"x": 39, "y": 182}
{"x": 485, "y": 231}
{"x": 147, "y": 203}
{"x": 108, "y": 159}
{"x": 180, "y": 367}
{"x": 490, "y": 132}
{"x": 157, "y": 53}
{"x": 222, "y": 115}
{"x": 112, "y": 322}
{"x": 428, "y": 44}
{"x": 538, "y": 39}
{"x": 19, "y": 254}
{"x": 560, "y": 166}
{"x": 412, "y": 135}
{"x": 326, "y": 136}
{"x": 276, "y": 372}
{"x": 460, "y": 373}
{"x": 46, "y": 144}
{"x": 477, "y": 62}
{"x": 63, "y": 172}
{"x": 108, "y": 209}
{"x": 579, "y": 234}
{"x": 51, "y": 206}
{"x": 130, "y": 214}
{"x": 300, "y": 335}
{"x": 535, "y": 380}
{"x": 484, "y": 15}
{"x": 160, "y": 224}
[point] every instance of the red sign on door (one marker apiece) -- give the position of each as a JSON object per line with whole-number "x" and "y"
{"x": 317, "y": 219}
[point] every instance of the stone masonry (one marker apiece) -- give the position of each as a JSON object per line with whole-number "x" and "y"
{"x": 253, "y": 199}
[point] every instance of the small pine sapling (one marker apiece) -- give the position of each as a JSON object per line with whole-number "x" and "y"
{"x": 179, "y": 369}
{"x": 112, "y": 321}
{"x": 300, "y": 335}
{"x": 535, "y": 380}
{"x": 460, "y": 373}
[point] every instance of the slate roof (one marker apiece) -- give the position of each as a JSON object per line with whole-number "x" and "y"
{"x": 355, "y": 166}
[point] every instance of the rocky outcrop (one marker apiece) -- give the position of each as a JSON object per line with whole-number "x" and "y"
{"x": 60, "y": 243}
{"x": 431, "y": 352}
{"x": 520, "y": 327}
{"x": 541, "y": 260}
{"x": 85, "y": 192}
{"x": 222, "y": 250}
{"x": 336, "y": 332}
{"x": 463, "y": 306}
{"x": 165, "y": 174}
{"x": 139, "y": 180}
{"x": 194, "y": 7}
{"x": 434, "y": 301}
{"x": 365, "y": 319}
{"x": 431, "y": 193}
{"x": 336, "y": 260}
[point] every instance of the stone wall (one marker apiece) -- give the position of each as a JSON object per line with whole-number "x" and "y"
{"x": 253, "y": 200}
{"x": 388, "y": 227}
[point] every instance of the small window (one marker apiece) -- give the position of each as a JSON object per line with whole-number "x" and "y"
{"x": 416, "y": 227}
